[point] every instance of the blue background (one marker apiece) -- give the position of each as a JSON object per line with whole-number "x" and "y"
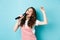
{"x": 9, "y": 9}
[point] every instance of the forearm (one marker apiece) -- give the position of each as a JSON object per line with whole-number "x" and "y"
{"x": 16, "y": 26}
{"x": 44, "y": 17}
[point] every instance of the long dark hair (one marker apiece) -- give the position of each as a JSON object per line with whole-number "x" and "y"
{"x": 32, "y": 19}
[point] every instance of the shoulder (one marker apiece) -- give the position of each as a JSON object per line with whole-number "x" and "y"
{"x": 37, "y": 22}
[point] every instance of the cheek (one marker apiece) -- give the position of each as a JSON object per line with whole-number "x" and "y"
{"x": 30, "y": 14}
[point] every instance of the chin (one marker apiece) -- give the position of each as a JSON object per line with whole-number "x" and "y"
{"x": 28, "y": 16}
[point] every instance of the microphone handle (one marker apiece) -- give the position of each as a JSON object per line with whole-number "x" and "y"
{"x": 19, "y": 16}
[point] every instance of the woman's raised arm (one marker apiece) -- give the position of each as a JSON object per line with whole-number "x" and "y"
{"x": 44, "y": 22}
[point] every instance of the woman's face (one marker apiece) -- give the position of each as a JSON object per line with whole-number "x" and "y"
{"x": 29, "y": 12}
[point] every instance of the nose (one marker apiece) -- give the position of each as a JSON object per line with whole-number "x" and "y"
{"x": 27, "y": 12}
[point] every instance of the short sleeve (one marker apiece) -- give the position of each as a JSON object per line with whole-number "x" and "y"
{"x": 37, "y": 22}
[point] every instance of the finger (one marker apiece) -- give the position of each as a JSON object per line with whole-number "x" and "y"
{"x": 20, "y": 15}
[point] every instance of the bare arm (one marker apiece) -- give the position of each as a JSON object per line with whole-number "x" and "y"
{"x": 44, "y": 16}
{"x": 17, "y": 24}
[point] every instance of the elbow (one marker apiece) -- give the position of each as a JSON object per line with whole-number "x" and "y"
{"x": 46, "y": 22}
{"x": 14, "y": 30}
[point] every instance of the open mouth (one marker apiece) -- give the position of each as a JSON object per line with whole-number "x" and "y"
{"x": 27, "y": 14}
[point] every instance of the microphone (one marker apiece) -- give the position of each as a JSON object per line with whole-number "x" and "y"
{"x": 19, "y": 16}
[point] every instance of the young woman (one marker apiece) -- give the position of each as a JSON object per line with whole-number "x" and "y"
{"x": 28, "y": 22}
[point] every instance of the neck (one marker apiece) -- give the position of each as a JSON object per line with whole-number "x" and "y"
{"x": 27, "y": 18}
